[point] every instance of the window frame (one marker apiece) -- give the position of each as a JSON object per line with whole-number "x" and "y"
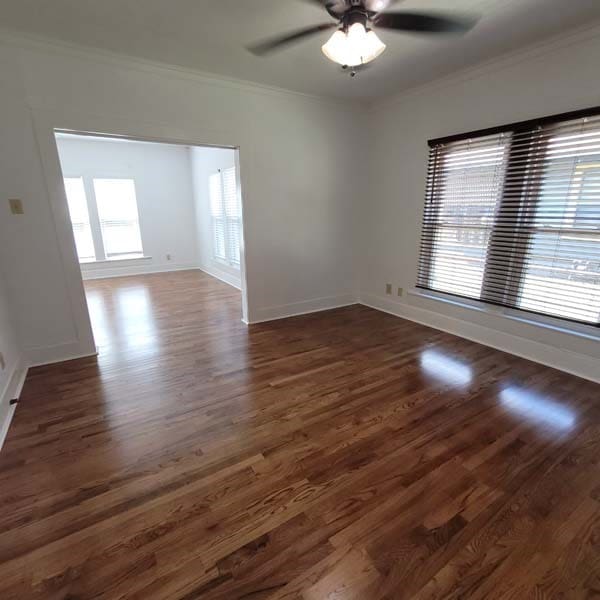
{"x": 514, "y": 275}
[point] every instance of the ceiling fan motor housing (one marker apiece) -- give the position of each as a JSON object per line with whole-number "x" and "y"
{"x": 340, "y": 9}
{"x": 355, "y": 15}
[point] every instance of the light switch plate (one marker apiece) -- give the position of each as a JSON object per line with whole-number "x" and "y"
{"x": 16, "y": 206}
{"x": 388, "y": 288}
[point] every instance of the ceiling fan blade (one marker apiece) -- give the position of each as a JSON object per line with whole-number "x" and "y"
{"x": 279, "y": 42}
{"x": 423, "y": 23}
{"x": 375, "y": 6}
{"x": 335, "y": 8}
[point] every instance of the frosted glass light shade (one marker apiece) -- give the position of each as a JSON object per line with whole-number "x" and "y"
{"x": 356, "y": 47}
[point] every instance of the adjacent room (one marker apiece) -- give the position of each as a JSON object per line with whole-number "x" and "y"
{"x": 299, "y": 299}
{"x": 139, "y": 208}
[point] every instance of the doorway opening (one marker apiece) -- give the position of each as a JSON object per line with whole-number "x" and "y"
{"x": 151, "y": 220}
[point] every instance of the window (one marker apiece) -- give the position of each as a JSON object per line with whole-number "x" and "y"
{"x": 218, "y": 216}
{"x": 118, "y": 214}
{"x": 80, "y": 219}
{"x": 463, "y": 207}
{"x": 512, "y": 217}
{"x": 113, "y": 232}
{"x": 226, "y": 217}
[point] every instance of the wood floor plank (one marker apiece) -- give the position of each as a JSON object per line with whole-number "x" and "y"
{"x": 346, "y": 454}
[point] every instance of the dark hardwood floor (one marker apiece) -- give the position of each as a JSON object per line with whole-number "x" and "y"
{"x": 345, "y": 455}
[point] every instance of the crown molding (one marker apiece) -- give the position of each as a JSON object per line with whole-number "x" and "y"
{"x": 44, "y": 44}
{"x": 498, "y": 63}
{"x": 26, "y": 41}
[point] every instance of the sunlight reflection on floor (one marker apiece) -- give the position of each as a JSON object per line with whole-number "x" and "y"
{"x": 537, "y": 408}
{"x": 439, "y": 365}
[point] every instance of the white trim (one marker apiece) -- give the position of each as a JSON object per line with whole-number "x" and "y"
{"x": 5, "y": 422}
{"x": 11, "y": 391}
{"x": 224, "y": 276}
{"x": 575, "y": 363}
{"x": 40, "y": 43}
{"x": 48, "y": 355}
{"x": 129, "y": 270}
{"x": 112, "y": 261}
{"x": 36, "y": 42}
{"x": 503, "y": 61}
{"x": 448, "y": 299}
{"x": 273, "y": 313}
{"x": 55, "y": 196}
{"x": 580, "y": 330}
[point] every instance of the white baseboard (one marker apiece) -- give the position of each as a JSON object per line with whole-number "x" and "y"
{"x": 10, "y": 392}
{"x": 223, "y": 276}
{"x": 53, "y": 354}
{"x": 140, "y": 269}
{"x": 127, "y": 271}
{"x": 272, "y": 313}
{"x": 581, "y": 365}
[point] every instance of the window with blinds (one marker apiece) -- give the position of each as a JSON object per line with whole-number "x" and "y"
{"x": 80, "y": 219}
{"x": 512, "y": 217}
{"x": 226, "y": 216}
{"x": 119, "y": 220}
{"x": 106, "y": 224}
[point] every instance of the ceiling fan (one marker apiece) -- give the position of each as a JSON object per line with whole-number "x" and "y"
{"x": 354, "y": 43}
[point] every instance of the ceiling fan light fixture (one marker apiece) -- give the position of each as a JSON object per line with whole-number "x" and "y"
{"x": 355, "y": 47}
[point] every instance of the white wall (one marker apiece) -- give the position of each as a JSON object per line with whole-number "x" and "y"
{"x": 205, "y": 162}
{"x": 552, "y": 78}
{"x": 293, "y": 150}
{"x": 29, "y": 252}
{"x": 163, "y": 186}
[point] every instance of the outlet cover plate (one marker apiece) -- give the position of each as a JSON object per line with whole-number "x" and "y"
{"x": 16, "y": 206}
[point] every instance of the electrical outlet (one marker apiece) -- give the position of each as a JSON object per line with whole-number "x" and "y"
{"x": 400, "y": 291}
{"x": 2, "y": 362}
{"x": 16, "y": 206}
{"x": 168, "y": 257}
{"x": 388, "y": 288}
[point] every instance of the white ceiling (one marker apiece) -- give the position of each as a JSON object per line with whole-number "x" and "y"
{"x": 210, "y": 35}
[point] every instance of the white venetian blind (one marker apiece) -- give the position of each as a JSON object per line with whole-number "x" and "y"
{"x": 119, "y": 220}
{"x": 226, "y": 216}
{"x": 232, "y": 215}
{"x": 513, "y": 218}
{"x": 464, "y": 188}
{"x": 217, "y": 214}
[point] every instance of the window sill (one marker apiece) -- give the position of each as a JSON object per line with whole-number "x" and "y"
{"x": 582, "y": 331}
{"x": 112, "y": 261}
